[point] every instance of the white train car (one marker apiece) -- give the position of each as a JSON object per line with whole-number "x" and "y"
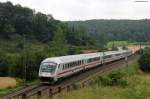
{"x": 52, "y": 69}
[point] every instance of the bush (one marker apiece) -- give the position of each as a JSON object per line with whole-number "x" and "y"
{"x": 135, "y": 90}
{"x": 104, "y": 81}
{"x": 144, "y": 60}
{"x": 113, "y": 79}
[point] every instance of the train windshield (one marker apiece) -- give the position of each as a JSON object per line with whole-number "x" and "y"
{"x": 48, "y": 67}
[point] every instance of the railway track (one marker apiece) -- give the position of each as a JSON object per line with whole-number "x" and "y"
{"x": 36, "y": 91}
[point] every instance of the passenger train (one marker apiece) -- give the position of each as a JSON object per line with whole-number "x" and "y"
{"x": 54, "y": 68}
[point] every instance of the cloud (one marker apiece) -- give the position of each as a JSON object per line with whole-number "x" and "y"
{"x": 89, "y": 9}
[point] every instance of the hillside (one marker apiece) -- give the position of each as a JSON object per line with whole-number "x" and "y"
{"x": 27, "y": 37}
{"x": 127, "y": 30}
{"x": 134, "y": 84}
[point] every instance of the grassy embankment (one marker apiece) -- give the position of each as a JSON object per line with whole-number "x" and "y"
{"x": 132, "y": 84}
{"x": 20, "y": 84}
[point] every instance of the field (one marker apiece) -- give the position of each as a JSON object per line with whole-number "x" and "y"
{"x": 10, "y": 85}
{"x": 116, "y": 43}
{"x": 6, "y": 82}
{"x": 138, "y": 87}
{"x": 135, "y": 48}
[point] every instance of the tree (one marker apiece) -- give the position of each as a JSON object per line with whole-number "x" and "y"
{"x": 59, "y": 45}
{"x": 3, "y": 64}
{"x": 144, "y": 60}
{"x": 8, "y": 30}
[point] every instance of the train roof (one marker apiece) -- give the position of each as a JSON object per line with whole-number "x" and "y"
{"x": 71, "y": 58}
{"x": 114, "y": 52}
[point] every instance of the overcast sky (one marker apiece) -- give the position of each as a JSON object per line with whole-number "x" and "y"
{"x": 89, "y": 9}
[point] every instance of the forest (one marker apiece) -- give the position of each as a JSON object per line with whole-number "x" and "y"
{"x": 27, "y": 37}
{"x": 125, "y": 30}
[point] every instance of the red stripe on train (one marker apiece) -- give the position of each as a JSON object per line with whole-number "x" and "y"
{"x": 79, "y": 67}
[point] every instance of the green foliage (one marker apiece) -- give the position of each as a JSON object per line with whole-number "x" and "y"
{"x": 136, "y": 90}
{"x": 18, "y": 20}
{"x": 113, "y": 79}
{"x": 27, "y": 61}
{"x": 78, "y": 36}
{"x": 59, "y": 45}
{"x": 131, "y": 69}
{"x": 3, "y": 64}
{"x": 118, "y": 78}
{"x": 118, "y": 30}
{"x": 13, "y": 60}
{"x": 144, "y": 60}
{"x": 138, "y": 87}
{"x": 101, "y": 41}
{"x": 27, "y": 37}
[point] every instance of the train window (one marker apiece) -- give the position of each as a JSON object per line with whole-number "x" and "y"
{"x": 69, "y": 65}
{"x": 48, "y": 67}
{"x": 66, "y": 66}
{"x": 73, "y": 64}
{"x": 63, "y": 66}
{"x": 59, "y": 66}
{"x": 107, "y": 56}
{"x": 93, "y": 59}
{"x": 117, "y": 54}
{"x": 76, "y": 63}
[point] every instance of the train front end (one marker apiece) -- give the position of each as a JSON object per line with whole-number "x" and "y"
{"x": 47, "y": 72}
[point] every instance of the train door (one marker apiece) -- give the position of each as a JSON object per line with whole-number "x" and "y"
{"x": 101, "y": 60}
{"x": 60, "y": 68}
{"x": 84, "y": 63}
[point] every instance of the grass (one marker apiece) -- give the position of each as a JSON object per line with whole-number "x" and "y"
{"x": 116, "y": 44}
{"x": 138, "y": 87}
